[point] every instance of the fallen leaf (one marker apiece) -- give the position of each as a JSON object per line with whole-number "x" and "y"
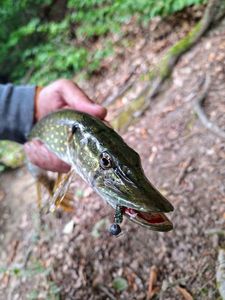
{"x": 152, "y": 282}
{"x": 186, "y": 295}
{"x": 68, "y": 228}
{"x": 144, "y": 133}
{"x": 131, "y": 277}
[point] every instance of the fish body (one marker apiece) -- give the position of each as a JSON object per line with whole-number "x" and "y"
{"x": 102, "y": 158}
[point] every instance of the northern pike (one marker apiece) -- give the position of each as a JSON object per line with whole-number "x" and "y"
{"x": 112, "y": 168}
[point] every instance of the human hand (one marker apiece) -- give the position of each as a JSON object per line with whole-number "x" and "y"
{"x": 64, "y": 93}
{"x": 60, "y": 94}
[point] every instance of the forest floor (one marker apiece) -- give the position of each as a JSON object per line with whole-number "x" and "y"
{"x": 73, "y": 256}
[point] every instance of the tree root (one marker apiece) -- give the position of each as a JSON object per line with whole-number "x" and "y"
{"x": 220, "y": 273}
{"x": 215, "y": 10}
{"x": 201, "y": 114}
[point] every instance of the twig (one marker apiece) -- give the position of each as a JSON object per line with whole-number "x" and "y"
{"x": 106, "y": 292}
{"x": 201, "y": 114}
{"x": 220, "y": 273}
{"x": 186, "y": 295}
{"x": 27, "y": 257}
{"x": 14, "y": 251}
{"x": 11, "y": 258}
{"x": 217, "y": 231}
{"x": 183, "y": 170}
{"x": 152, "y": 289}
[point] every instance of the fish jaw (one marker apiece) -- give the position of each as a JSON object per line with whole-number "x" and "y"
{"x": 152, "y": 220}
{"x": 137, "y": 194}
{"x": 138, "y": 199}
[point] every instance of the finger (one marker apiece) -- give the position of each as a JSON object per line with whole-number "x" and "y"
{"x": 78, "y": 100}
{"x": 39, "y": 155}
{"x": 44, "y": 159}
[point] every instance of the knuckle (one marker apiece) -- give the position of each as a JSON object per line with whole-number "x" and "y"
{"x": 62, "y": 81}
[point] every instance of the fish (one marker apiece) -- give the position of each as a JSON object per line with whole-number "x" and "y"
{"x": 111, "y": 167}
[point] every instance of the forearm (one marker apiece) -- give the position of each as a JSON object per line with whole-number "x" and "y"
{"x": 16, "y": 112}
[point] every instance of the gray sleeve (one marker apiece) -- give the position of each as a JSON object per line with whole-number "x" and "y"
{"x": 16, "y": 112}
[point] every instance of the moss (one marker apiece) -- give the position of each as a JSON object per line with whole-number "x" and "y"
{"x": 191, "y": 123}
{"x": 186, "y": 42}
{"x": 11, "y": 154}
{"x": 161, "y": 71}
{"x": 127, "y": 116}
{"x": 149, "y": 76}
{"x": 164, "y": 68}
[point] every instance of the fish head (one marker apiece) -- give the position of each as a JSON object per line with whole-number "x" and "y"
{"x": 120, "y": 180}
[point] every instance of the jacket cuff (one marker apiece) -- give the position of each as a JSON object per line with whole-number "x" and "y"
{"x": 16, "y": 112}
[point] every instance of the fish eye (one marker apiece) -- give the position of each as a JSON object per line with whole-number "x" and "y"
{"x": 105, "y": 161}
{"x": 74, "y": 128}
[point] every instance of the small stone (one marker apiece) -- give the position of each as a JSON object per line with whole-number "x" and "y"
{"x": 208, "y": 45}
{"x": 68, "y": 227}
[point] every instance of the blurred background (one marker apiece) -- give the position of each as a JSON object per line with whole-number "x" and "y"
{"x": 152, "y": 64}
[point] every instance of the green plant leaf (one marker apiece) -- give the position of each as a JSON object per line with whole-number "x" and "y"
{"x": 119, "y": 284}
{"x": 42, "y": 49}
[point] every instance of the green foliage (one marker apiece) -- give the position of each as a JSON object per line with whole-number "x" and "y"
{"x": 119, "y": 284}
{"x": 20, "y": 271}
{"x": 50, "y": 289}
{"x": 52, "y": 293}
{"x": 11, "y": 155}
{"x": 41, "y": 40}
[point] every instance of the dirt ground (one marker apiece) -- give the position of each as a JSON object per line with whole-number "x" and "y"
{"x": 73, "y": 256}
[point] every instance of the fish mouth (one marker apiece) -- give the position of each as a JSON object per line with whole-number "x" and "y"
{"x": 152, "y": 220}
{"x": 147, "y": 217}
{"x": 145, "y": 206}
